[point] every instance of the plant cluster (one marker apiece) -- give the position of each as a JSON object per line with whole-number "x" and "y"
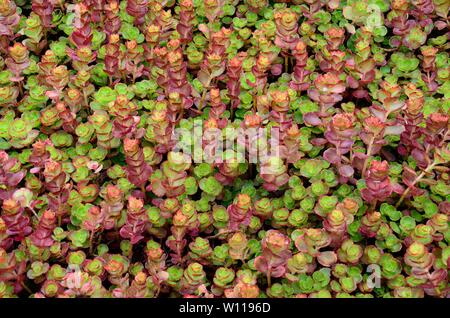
{"x": 95, "y": 201}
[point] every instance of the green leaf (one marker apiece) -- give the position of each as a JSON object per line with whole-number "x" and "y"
{"x": 79, "y": 238}
{"x": 211, "y": 186}
{"x": 129, "y": 32}
{"x": 190, "y": 185}
{"x": 203, "y": 170}
{"x": 105, "y": 95}
{"x": 430, "y": 209}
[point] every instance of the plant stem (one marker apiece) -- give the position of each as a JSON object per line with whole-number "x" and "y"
{"x": 219, "y": 234}
{"x": 91, "y": 238}
{"x": 286, "y": 64}
{"x": 158, "y": 291}
{"x": 25, "y": 287}
{"x": 200, "y": 104}
{"x": 86, "y": 99}
{"x": 373, "y": 205}
{"x": 369, "y": 151}
{"x": 20, "y": 88}
{"x": 181, "y": 115}
{"x": 405, "y": 193}
{"x": 34, "y": 212}
{"x": 444, "y": 138}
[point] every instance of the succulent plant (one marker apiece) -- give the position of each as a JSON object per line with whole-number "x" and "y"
{"x": 224, "y": 148}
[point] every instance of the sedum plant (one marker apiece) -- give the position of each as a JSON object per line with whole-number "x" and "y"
{"x": 227, "y": 149}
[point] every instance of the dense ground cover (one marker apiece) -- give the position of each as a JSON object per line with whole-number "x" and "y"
{"x": 98, "y": 97}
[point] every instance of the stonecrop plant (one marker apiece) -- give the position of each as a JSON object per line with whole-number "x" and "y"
{"x": 224, "y": 148}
